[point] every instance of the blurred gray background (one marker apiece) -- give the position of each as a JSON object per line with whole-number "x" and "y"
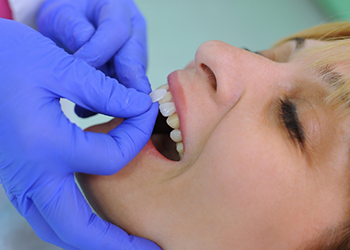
{"x": 175, "y": 30}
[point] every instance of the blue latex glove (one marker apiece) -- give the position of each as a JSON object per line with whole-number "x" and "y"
{"x": 40, "y": 149}
{"x": 107, "y": 34}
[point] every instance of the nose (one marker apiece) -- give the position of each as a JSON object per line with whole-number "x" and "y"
{"x": 234, "y": 69}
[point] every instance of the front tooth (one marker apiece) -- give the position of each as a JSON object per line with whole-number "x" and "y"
{"x": 176, "y": 135}
{"x": 167, "y": 98}
{"x": 164, "y": 86}
{"x": 167, "y": 109}
{"x": 180, "y": 148}
{"x": 173, "y": 121}
{"x": 158, "y": 94}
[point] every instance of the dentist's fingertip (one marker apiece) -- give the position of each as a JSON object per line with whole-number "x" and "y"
{"x": 140, "y": 101}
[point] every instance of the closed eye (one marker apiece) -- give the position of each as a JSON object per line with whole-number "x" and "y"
{"x": 289, "y": 117}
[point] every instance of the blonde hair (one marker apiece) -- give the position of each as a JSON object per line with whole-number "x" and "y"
{"x": 324, "y": 32}
{"x": 325, "y": 57}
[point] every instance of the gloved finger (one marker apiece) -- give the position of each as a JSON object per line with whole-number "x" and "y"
{"x": 106, "y": 154}
{"x": 77, "y": 225}
{"x": 83, "y": 113}
{"x": 113, "y": 30}
{"x": 131, "y": 59}
{"x": 92, "y": 90}
{"x": 109, "y": 70}
{"x": 43, "y": 229}
{"x": 66, "y": 26}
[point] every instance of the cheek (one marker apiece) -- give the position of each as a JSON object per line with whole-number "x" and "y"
{"x": 245, "y": 172}
{"x": 253, "y": 179}
{"x": 241, "y": 164}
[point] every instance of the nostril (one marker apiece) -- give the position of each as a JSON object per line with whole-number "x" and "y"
{"x": 210, "y": 74}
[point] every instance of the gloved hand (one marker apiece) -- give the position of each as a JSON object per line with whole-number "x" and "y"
{"x": 40, "y": 149}
{"x": 107, "y": 34}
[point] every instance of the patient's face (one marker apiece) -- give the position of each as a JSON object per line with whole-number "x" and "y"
{"x": 264, "y": 160}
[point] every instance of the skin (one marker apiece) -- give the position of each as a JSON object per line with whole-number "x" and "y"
{"x": 244, "y": 181}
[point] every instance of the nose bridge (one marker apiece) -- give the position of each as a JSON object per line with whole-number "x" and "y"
{"x": 236, "y": 70}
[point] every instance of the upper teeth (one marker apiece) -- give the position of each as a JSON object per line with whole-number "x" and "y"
{"x": 167, "y": 108}
{"x": 173, "y": 121}
{"x": 176, "y": 135}
{"x": 167, "y": 97}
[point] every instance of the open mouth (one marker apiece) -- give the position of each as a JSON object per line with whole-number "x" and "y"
{"x": 166, "y": 136}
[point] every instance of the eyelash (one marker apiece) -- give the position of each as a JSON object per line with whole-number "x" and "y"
{"x": 289, "y": 117}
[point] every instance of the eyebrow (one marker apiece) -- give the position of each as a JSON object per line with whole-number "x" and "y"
{"x": 330, "y": 76}
{"x": 327, "y": 72}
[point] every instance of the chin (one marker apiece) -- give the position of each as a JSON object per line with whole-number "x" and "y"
{"x": 119, "y": 198}
{"x": 131, "y": 197}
